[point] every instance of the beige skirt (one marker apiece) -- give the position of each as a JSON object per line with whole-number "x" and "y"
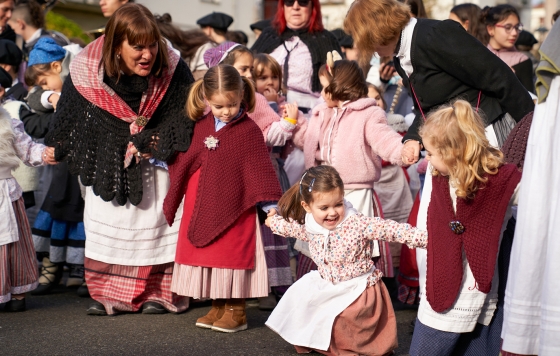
{"x": 223, "y": 283}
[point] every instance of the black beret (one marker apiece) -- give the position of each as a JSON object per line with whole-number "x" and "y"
{"x": 526, "y": 39}
{"x": 10, "y": 53}
{"x": 5, "y": 79}
{"x": 344, "y": 40}
{"x": 216, "y": 20}
{"x": 260, "y": 25}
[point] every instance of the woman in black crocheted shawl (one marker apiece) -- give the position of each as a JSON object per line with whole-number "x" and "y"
{"x": 119, "y": 118}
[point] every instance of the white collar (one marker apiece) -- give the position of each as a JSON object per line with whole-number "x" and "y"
{"x": 313, "y": 227}
{"x": 406, "y": 39}
{"x": 36, "y": 35}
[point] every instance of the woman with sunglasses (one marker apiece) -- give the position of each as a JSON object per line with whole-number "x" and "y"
{"x": 440, "y": 61}
{"x": 299, "y": 42}
{"x": 503, "y": 26}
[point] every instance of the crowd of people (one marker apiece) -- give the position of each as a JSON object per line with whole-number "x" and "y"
{"x": 333, "y": 175}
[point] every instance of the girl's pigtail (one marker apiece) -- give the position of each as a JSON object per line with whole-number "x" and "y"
{"x": 196, "y": 104}
{"x": 290, "y": 207}
{"x": 249, "y": 94}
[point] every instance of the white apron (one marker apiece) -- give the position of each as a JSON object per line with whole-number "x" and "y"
{"x": 8, "y": 223}
{"x": 132, "y": 235}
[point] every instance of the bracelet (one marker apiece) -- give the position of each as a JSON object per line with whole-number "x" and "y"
{"x": 291, "y": 121}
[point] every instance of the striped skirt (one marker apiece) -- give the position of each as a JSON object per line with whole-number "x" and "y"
{"x": 223, "y": 283}
{"x": 126, "y": 288}
{"x": 18, "y": 265}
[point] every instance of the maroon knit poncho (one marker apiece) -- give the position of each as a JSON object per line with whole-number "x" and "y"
{"x": 235, "y": 176}
{"x": 482, "y": 218}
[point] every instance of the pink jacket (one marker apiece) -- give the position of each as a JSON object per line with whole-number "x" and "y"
{"x": 353, "y": 139}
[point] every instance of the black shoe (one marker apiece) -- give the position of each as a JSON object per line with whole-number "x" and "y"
{"x": 51, "y": 274}
{"x": 83, "y": 291}
{"x": 153, "y": 308}
{"x": 15, "y": 305}
{"x": 96, "y": 308}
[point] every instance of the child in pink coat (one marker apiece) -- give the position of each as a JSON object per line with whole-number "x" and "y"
{"x": 350, "y": 132}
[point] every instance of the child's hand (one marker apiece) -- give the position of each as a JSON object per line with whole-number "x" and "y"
{"x": 410, "y": 152}
{"x": 48, "y": 156}
{"x": 53, "y": 99}
{"x": 291, "y": 111}
{"x": 270, "y": 214}
{"x": 270, "y": 94}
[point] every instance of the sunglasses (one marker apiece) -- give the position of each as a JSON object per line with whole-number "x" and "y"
{"x": 290, "y": 3}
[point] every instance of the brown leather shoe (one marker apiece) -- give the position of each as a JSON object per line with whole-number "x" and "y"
{"x": 217, "y": 311}
{"x": 234, "y": 318}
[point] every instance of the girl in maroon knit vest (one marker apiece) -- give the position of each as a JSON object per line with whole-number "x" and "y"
{"x": 223, "y": 176}
{"x": 472, "y": 193}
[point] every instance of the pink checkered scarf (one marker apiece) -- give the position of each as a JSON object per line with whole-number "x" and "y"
{"x": 87, "y": 76}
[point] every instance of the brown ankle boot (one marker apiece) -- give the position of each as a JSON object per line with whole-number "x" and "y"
{"x": 217, "y": 311}
{"x": 234, "y": 318}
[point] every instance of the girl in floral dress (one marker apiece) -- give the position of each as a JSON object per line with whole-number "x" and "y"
{"x": 343, "y": 307}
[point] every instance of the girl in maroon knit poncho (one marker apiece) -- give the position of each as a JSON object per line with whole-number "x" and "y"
{"x": 472, "y": 193}
{"x": 223, "y": 176}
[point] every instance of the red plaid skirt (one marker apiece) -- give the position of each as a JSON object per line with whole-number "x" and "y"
{"x": 127, "y": 288}
{"x": 18, "y": 265}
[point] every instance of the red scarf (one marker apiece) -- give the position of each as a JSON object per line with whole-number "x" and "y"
{"x": 482, "y": 218}
{"x": 234, "y": 177}
{"x": 87, "y": 76}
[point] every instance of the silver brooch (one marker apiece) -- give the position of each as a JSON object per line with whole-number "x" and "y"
{"x": 211, "y": 142}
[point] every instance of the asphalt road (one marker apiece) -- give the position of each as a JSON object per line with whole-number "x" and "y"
{"x": 57, "y": 324}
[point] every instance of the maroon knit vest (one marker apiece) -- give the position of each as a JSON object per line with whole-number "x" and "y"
{"x": 234, "y": 177}
{"x": 482, "y": 218}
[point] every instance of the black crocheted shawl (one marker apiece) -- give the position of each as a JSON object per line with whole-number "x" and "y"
{"x": 94, "y": 142}
{"x": 318, "y": 43}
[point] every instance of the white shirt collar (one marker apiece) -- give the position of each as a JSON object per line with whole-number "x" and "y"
{"x": 34, "y": 36}
{"x": 406, "y": 43}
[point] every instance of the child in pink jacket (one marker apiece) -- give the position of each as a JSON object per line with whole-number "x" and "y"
{"x": 350, "y": 132}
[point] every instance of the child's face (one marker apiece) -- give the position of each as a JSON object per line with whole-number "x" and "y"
{"x": 327, "y": 208}
{"x": 244, "y": 65}
{"x": 225, "y": 106}
{"x": 435, "y": 158}
{"x": 50, "y": 81}
{"x": 374, "y": 94}
{"x": 327, "y": 97}
{"x": 267, "y": 80}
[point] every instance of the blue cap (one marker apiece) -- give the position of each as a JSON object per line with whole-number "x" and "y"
{"x": 46, "y": 50}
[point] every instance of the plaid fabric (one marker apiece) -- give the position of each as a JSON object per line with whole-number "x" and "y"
{"x": 18, "y": 266}
{"x": 127, "y": 288}
{"x": 408, "y": 295}
{"x": 304, "y": 266}
{"x": 277, "y": 258}
{"x": 87, "y": 77}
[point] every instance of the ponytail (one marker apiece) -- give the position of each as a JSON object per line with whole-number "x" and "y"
{"x": 196, "y": 104}
{"x": 290, "y": 207}
{"x": 249, "y": 94}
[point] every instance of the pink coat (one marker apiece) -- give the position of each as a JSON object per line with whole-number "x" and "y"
{"x": 353, "y": 139}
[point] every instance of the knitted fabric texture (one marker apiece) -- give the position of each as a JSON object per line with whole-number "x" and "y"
{"x": 516, "y": 144}
{"x": 46, "y": 50}
{"x": 234, "y": 177}
{"x": 318, "y": 43}
{"x": 214, "y": 56}
{"x": 482, "y": 218}
{"x": 94, "y": 142}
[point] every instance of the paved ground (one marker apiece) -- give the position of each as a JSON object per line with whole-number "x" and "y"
{"x": 58, "y": 325}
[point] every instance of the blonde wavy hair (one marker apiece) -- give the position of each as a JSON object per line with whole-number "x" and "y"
{"x": 373, "y": 23}
{"x": 457, "y": 133}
